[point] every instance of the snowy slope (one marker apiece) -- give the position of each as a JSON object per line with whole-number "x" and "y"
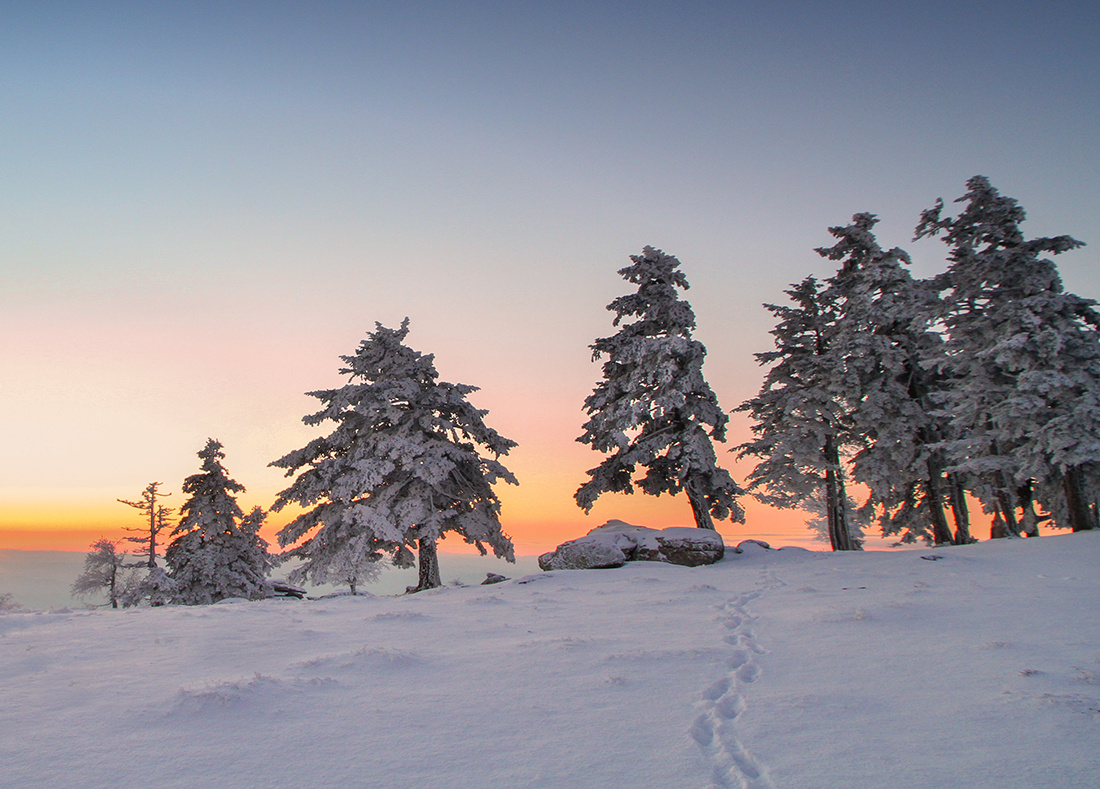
{"x": 773, "y": 668}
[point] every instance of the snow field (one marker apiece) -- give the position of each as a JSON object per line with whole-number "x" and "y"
{"x": 543, "y": 683}
{"x": 976, "y": 669}
{"x": 770, "y": 669}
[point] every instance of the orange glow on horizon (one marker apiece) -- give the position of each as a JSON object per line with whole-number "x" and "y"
{"x": 533, "y": 529}
{"x": 538, "y": 515}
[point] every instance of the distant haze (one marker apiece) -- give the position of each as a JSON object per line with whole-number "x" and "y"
{"x": 40, "y": 580}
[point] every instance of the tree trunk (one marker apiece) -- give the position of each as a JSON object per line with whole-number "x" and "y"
{"x": 114, "y": 583}
{"x": 427, "y": 566}
{"x": 1004, "y": 501}
{"x": 836, "y": 501}
{"x": 1008, "y": 512}
{"x": 152, "y": 532}
{"x": 1029, "y": 521}
{"x": 941, "y": 532}
{"x": 959, "y": 511}
{"x": 830, "y": 511}
{"x": 998, "y": 530}
{"x": 698, "y": 505}
{"x": 843, "y": 521}
{"x": 1081, "y": 516}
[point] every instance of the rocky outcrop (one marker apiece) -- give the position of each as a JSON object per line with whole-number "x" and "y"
{"x": 616, "y": 543}
{"x": 583, "y": 554}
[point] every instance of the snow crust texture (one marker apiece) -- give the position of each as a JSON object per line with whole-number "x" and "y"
{"x": 770, "y": 668}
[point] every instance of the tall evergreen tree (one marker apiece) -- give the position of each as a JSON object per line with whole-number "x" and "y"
{"x": 801, "y": 422}
{"x": 654, "y": 408}
{"x": 885, "y": 355}
{"x": 216, "y": 551}
{"x": 1026, "y": 356}
{"x": 403, "y": 466}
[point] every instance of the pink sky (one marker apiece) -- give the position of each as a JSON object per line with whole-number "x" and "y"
{"x": 203, "y": 206}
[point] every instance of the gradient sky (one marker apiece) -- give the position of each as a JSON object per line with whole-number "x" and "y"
{"x": 202, "y": 205}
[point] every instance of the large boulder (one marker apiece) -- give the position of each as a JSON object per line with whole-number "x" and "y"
{"x": 690, "y": 547}
{"x": 617, "y": 542}
{"x": 583, "y": 554}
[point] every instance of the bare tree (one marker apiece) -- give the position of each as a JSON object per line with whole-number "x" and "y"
{"x": 158, "y": 516}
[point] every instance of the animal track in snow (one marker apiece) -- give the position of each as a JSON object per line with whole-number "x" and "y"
{"x": 717, "y": 690}
{"x": 738, "y": 659}
{"x": 724, "y": 700}
{"x": 748, "y": 673}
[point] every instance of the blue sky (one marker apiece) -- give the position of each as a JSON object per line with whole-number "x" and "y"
{"x": 203, "y": 204}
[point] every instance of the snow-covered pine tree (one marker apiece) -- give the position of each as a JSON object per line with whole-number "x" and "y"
{"x": 801, "y": 423}
{"x": 403, "y": 466}
{"x": 216, "y": 551}
{"x": 246, "y": 559}
{"x": 858, "y": 518}
{"x": 1026, "y": 358}
{"x": 156, "y": 588}
{"x": 104, "y": 571}
{"x": 654, "y": 408}
{"x": 158, "y": 517}
{"x": 885, "y": 354}
{"x": 346, "y": 568}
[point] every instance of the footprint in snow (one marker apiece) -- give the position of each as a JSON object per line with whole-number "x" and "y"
{"x": 714, "y": 729}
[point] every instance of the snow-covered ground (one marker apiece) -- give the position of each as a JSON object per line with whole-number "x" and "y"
{"x": 42, "y": 579}
{"x": 772, "y": 668}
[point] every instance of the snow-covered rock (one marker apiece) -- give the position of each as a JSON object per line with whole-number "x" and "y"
{"x": 752, "y": 546}
{"x": 583, "y": 554}
{"x": 617, "y": 542}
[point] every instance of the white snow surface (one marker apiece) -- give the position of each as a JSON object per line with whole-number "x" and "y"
{"x": 785, "y": 668}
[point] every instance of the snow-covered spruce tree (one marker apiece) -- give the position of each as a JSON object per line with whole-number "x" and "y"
{"x": 858, "y": 518}
{"x": 346, "y": 569}
{"x": 104, "y": 571}
{"x": 156, "y": 588}
{"x": 800, "y": 420}
{"x": 884, "y": 354}
{"x": 158, "y": 517}
{"x": 654, "y": 408}
{"x": 1025, "y": 356}
{"x": 216, "y": 551}
{"x": 403, "y": 466}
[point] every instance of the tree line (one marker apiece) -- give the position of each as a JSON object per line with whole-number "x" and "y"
{"x": 982, "y": 383}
